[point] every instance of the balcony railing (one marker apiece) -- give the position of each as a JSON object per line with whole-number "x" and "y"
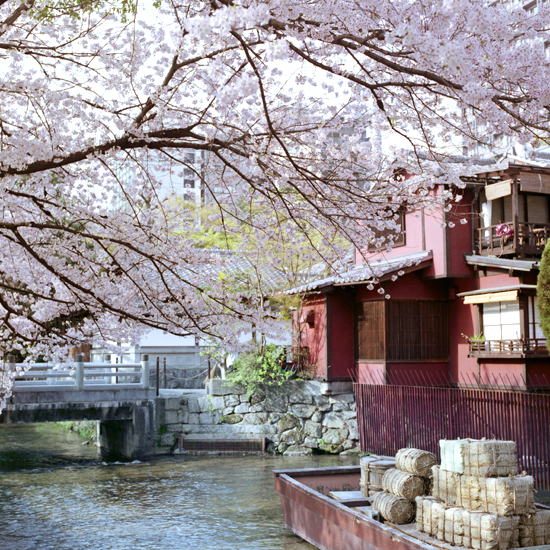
{"x": 520, "y": 347}
{"x": 503, "y": 239}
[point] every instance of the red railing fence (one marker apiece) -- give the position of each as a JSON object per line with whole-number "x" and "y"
{"x": 392, "y": 417}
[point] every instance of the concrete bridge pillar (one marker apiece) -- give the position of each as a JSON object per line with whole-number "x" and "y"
{"x": 133, "y": 438}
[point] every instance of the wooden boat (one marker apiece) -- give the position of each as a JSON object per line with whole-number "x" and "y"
{"x": 342, "y": 524}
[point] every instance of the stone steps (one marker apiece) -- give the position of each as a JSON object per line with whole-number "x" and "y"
{"x": 226, "y": 431}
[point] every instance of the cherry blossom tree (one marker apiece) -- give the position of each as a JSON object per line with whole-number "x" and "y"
{"x": 306, "y": 109}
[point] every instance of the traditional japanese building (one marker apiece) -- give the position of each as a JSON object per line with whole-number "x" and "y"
{"x": 452, "y": 303}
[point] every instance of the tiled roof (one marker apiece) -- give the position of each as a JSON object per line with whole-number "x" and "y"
{"x": 367, "y": 272}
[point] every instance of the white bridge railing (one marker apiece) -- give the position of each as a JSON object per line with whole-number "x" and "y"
{"x": 84, "y": 376}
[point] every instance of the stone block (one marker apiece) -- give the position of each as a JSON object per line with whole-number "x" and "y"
{"x": 256, "y": 418}
{"x": 231, "y": 419}
{"x": 317, "y": 416}
{"x": 231, "y": 400}
{"x": 311, "y": 442}
{"x": 353, "y": 433}
{"x": 320, "y": 401}
{"x": 333, "y": 420}
{"x": 303, "y": 411}
{"x": 223, "y": 387}
{"x": 171, "y": 417}
{"x": 292, "y": 437}
{"x": 340, "y": 407}
{"x": 275, "y": 400}
{"x": 193, "y": 405}
{"x": 209, "y": 417}
{"x": 260, "y": 430}
{"x": 242, "y": 408}
{"x": 217, "y": 402}
{"x": 313, "y": 429}
{"x": 288, "y": 422}
{"x": 256, "y": 408}
{"x": 347, "y": 415}
{"x": 297, "y": 450}
{"x": 228, "y": 410}
{"x": 331, "y": 388}
{"x": 352, "y": 423}
{"x": 204, "y": 404}
{"x": 167, "y": 439}
{"x": 343, "y": 398}
{"x": 325, "y": 408}
{"x": 348, "y": 444}
{"x": 275, "y": 417}
{"x": 184, "y": 416}
{"x": 330, "y": 448}
{"x": 193, "y": 418}
{"x": 172, "y": 403}
{"x": 335, "y": 437}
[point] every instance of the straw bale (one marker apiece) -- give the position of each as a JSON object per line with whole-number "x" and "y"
{"x": 488, "y": 531}
{"x": 430, "y": 516}
{"x": 403, "y": 484}
{"x": 415, "y": 461}
{"x": 464, "y": 528}
{"x": 395, "y": 509}
{"x": 503, "y": 496}
{"x": 485, "y": 458}
{"x": 454, "y": 526}
{"x": 445, "y": 485}
{"x": 534, "y": 529}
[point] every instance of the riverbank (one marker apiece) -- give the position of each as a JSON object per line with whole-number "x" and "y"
{"x": 87, "y": 429}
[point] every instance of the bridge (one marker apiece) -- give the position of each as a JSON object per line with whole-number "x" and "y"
{"x": 117, "y": 395}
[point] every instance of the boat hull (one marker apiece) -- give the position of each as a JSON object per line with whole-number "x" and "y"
{"x": 330, "y": 524}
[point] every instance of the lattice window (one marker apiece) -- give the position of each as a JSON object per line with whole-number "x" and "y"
{"x": 417, "y": 330}
{"x": 369, "y": 330}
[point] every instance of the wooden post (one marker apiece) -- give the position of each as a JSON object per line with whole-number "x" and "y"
{"x": 145, "y": 372}
{"x": 515, "y": 215}
{"x": 79, "y": 372}
{"x": 158, "y": 376}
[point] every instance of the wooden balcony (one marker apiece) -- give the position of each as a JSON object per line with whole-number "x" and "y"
{"x": 524, "y": 239}
{"x": 521, "y": 347}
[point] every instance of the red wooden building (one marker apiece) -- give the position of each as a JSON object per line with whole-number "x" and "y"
{"x": 462, "y": 307}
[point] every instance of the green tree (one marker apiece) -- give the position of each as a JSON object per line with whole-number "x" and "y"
{"x": 543, "y": 292}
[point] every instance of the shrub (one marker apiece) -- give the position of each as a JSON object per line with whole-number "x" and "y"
{"x": 260, "y": 367}
{"x": 543, "y": 291}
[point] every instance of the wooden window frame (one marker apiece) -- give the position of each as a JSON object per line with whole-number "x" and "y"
{"x": 400, "y": 238}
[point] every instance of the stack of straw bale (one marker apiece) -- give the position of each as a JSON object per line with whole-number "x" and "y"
{"x": 483, "y": 458}
{"x": 462, "y": 527}
{"x": 534, "y": 529}
{"x": 478, "y": 500}
{"x": 402, "y": 484}
{"x": 503, "y": 496}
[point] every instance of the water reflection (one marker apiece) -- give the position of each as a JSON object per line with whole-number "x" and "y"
{"x": 57, "y": 494}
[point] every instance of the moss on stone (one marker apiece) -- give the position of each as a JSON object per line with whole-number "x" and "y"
{"x": 231, "y": 419}
{"x": 288, "y": 422}
{"x": 331, "y": 448}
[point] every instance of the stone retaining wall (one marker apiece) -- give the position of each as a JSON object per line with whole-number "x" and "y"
{"x": 295, "y": 418}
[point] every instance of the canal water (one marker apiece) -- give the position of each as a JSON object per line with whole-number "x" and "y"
{"x": 57, "y": 494}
